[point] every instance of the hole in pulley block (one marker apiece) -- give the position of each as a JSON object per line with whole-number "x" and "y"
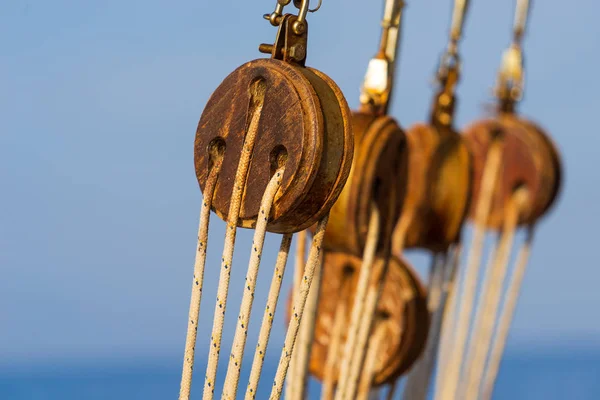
{"x": 216, "y": 150}
{"x": 277, "y": 158}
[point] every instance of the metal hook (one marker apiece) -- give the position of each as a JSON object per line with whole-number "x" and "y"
{"x": 275, "y": 17}
{"x": 299, "y": 26}
{"x": 298, "y": 4}
{"x": 317, "y": 7}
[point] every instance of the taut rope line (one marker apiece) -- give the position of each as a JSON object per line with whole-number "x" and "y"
{"x": 232, "y": 219}
{"x": 241, "y": 331}
{"x": 380, "y": 270}
{"x": 492, "y": 293}
{"x": 359, "y": 300}
{"x": 314, "y": 258}
{"x": 334, "y": 349}
{"x": 506, "y": 317}
{"x": 370, "y": 364}
{"x": 267, "y": 322}
{"x": 448, "y": 320}
{"x": 306, "y": 336}
{"x": 451, "y": 370}
{"x": 198, "y": 281}
{"x": 300, "y": 264}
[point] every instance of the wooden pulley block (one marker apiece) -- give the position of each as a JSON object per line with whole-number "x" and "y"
{"x": 378, "y": 174}
{"x": 529, "y": 158}
{"x": 438, "y": 189}
{"x": 302, "y": 119}
{"x": 402, "y": 309}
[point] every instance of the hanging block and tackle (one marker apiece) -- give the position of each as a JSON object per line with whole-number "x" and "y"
{"x": 437, "y": 202}
{"x": 439, "y": 179}
{"x": 401, "y": 311}
{"x": 516, "y": 180}
{"x": 360, "y": 232}
{"x": 272, "y": 152}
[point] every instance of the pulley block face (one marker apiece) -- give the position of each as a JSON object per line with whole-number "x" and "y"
{"x": 378, "y": 174}
{"x": 529, "y": 159}
{"x": 438, "y": 188}
{"x": 402, "y": 309}
{"x": 300, "y": 122}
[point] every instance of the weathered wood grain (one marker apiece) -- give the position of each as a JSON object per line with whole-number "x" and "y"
{"x": 301, "y": 124}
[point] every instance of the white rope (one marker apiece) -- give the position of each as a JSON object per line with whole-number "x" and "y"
{"x": 443, "y": 318}
{"x": 373, "y": 294}
{"x": 300, "y": 263}
{"x": 417, "y": 382}
{"x": 359, "y": 300}
{"x": 267, "y": 321}
{"x": 314, "y": 258}
{"x": 241, "y": 331}
{"x": 491, "y": 295}
{"x": 448, "y": 321}
{"x": 488, "y": 182}
{"x": 232, "y": 220}
{"x": 197, "y": 283}
{"x": 506, "y": 318}
{"x": 369, "y": 369}
{"x": 306, "y": 336}
{"x": 333, "y": 348}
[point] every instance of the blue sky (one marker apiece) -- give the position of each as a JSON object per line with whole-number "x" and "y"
{"x": 99, "y": 103}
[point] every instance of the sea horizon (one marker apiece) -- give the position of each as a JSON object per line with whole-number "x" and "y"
{"x": 551, "y": 373}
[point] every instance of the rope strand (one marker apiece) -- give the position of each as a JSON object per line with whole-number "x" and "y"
{"x": 451, "y": 373}
{"x": 300, "y": 264}
{"x": 368, "y": 316}
{"x": 227, "y": 258}
{"x": 314, "y": 258}
{"x": 333, "y": 349}
{"x": 267, "y": 321}
{"x": 448, "y": 320}
{"x": 443, "y": 317}
{"x": 359, "y": 300}
{"x": 306, "y": 336}
{"x": 198, "y": 282}
{"x": 241, "y": 331}
{"x": 416, "y": 385}
{"x": 506, "y": 317}
{"x": 368, "y": 372}
{"x": 491, "y": 292}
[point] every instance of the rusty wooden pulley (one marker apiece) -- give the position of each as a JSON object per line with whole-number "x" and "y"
{"x": 439, "y": 180}
{"x": 302, "y": 120}
{"x": 378, "y": 174}
{"x": 402, "y": 310}
{"x": 529, "y": 158}
{"x": 379, "y": 168}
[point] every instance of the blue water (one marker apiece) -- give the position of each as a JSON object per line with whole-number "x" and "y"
{"x": 546, "y": 375}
